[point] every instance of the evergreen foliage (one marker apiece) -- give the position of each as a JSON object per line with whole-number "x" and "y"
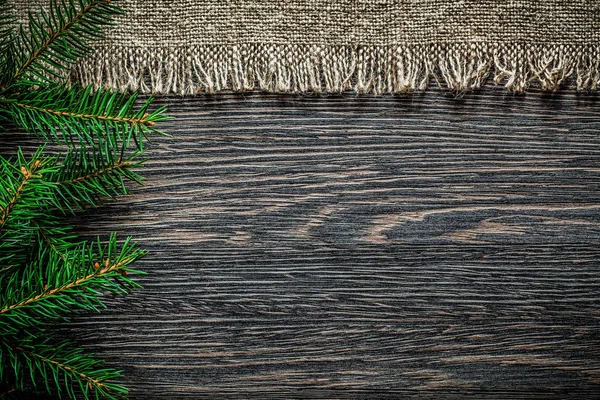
{"x": 98, "y": 136}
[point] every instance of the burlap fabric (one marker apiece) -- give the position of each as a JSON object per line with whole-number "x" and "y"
{"x": 368, "y": 46}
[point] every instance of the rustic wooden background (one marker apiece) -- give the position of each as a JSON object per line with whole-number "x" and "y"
{"x": 362, "y": 247}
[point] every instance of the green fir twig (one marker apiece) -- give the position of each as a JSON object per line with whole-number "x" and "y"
{"x": 98, "y": 137}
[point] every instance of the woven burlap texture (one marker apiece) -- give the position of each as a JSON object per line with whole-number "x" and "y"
{"x": 367, "y": 46}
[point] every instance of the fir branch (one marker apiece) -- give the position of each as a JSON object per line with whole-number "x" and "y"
{"x": 22, "y": 190}
{"x": 57, "y": 38}
{"x": 48, "y": 293}
{"x": 22, "y": 186}
{"x": 47, "y": 290}
{"x": 86, "y": 176}
{"x": 141, "y": 121}
{"x": 57, "y": 367}
{"x": 16, "y": 196}
{"x": 46, "y": 274}
{"x": 69, "y": 112}
{"x": 118, "y": 166}
{"x": 68, "y": 369}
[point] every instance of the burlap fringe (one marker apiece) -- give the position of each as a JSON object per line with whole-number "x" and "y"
{"x": 334, "y": 69}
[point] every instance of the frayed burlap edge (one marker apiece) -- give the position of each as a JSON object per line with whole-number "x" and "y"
{"x": 333, "y": 69}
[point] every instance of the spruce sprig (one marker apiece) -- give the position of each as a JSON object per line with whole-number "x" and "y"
{"x": 86, "y": 175}
{"x": 63, "y": 370}
{"x": 53, "y": 41}
{"x": 66, "y": 112}
{"x": 97, "y": 138}
{"x": 21, "y": 187}
{"x": 46, "y": 289}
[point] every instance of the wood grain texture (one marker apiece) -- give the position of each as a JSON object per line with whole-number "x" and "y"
{"x": 359, "y": 247}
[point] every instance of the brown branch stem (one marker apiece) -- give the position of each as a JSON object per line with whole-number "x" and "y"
{"x": 8, "y": 392}
{"x": 119, "y": 165}
{"x": 142, "y": 121}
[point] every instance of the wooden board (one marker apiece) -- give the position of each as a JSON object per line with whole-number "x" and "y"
{"x": 363, "y": 247}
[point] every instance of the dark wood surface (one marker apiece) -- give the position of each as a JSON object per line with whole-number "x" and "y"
{"x": 360, "y": 247}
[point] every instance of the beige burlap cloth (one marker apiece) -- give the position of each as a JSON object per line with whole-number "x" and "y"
{"x": 367, "y": 46}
